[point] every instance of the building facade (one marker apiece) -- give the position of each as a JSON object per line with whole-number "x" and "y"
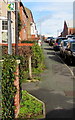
{"x": 28, "y": 27}
{"x": 4, "y": 23}
{"x": 31, "y": 26}
{"x": 23, "y": 18}
{"x": 69, "y": 28}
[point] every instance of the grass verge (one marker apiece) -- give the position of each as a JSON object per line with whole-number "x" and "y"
{"x": 30, "y": 107}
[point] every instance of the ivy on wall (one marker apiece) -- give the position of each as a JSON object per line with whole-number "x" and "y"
{"x": 8, "y": 88}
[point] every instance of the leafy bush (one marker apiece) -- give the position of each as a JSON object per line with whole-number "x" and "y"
{"x": 27, "y": 41}
{"x": 8, "y": 88}
{"x": 37, "y": 59}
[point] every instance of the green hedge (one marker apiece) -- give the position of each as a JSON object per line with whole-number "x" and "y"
{"x": 8, "y": 88}
{"x": 37, "y": 59}
{"x": 28, "y": 41}
{"x": 8, "y": 76}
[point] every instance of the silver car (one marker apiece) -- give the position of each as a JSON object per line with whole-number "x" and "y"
{"x": 63, "y": 47}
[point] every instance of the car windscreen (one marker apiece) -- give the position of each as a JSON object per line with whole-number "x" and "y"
{"x": 50, "y": 38}
{"x": 59, "y": 41}
{"x": 65, "y": 43}
{"x": 73, "y": 46}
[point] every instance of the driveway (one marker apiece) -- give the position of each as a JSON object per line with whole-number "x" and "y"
{"x": 55, "y": 88}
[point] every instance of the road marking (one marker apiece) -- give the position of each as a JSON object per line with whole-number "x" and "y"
{"x": 70, "y": 101}
{"x": 65, "y": 65}
{"x": 58, "y": 108}
{"x": 51, "y": 55}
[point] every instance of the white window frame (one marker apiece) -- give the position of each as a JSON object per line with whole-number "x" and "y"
{"x": 2, "y": 26}
{"x": 3, "y": 30}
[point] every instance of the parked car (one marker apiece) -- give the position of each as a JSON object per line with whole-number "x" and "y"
{"x": 69, "y": 53}
{"x": 70, "y": 36}
{"x": 52, "y": 41}
{"x": 73, "y": 38}
{"x": 63, "y": 47}
{"x": 48, "y": 39}
{"x": 56, "y": 45}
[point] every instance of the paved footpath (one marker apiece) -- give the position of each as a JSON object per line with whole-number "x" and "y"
{"x": 55, "y": 88}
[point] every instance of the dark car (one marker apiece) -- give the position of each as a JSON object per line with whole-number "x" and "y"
{"x": 48, "y": 39}
{"x": 52, "y": 41}
{"x": 63, "y": 47}
{"x": 56, "y": 45}
{"x": 70, "y": 36}
{"x": 69, "y": 53}
{"x": 73, "y": 37}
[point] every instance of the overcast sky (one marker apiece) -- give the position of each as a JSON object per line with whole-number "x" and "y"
{"x": 50, "y": 15}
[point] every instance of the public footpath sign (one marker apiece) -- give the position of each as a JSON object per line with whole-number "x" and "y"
{"x": 11, "y": 7}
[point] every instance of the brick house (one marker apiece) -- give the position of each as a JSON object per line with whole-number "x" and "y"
{"x": 28, "y": 29}
{"x": 31, "y": 26}
{"x": 71, "y": 31}
{"x": 65, "y": 30}
{"x": 68, "y": 29}
{"x": 71, "y": 28}
{"x": 24, "y": 18}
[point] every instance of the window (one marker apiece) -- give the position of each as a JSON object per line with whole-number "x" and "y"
{"x": 4, "y": 37}
{"x": 4, "y": 25}
{"x": 73, "y": 46}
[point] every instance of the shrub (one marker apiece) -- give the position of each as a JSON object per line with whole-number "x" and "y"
{"x": 23, "y": 54}
{"x": 8, "y": 88}
{"x": 29, "y": 106}
{"x": 37, "y": 58}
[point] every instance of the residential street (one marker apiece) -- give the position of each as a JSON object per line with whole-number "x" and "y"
{"x": 29, "y": 32}
{"x": 55, "y": 88}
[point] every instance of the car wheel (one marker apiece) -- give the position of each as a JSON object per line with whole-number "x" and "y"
{"x": 65, "y": 58}
{"x": 60, "y": 54}
{"x": 69, "y": 60}
{"x": 73, "y": 61}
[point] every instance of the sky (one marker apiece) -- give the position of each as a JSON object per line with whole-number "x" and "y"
{"x": 50, "y": 16}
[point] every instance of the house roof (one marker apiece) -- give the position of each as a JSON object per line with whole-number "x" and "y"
{"x": 21, "y": 4}
{"x": 29, "y": 13}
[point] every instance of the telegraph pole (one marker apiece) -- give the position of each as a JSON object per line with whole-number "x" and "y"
{"x": 9, "y": 34}
{"x": 16, "y": 27}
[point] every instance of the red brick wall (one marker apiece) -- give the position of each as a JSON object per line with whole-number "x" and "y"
{"x": 17, "y": 96}
{"x": 23, "y": 32}
{"x": 71, "y": 30}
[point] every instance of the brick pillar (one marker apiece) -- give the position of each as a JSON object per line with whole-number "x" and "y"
{"x": 17, "y": 96}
